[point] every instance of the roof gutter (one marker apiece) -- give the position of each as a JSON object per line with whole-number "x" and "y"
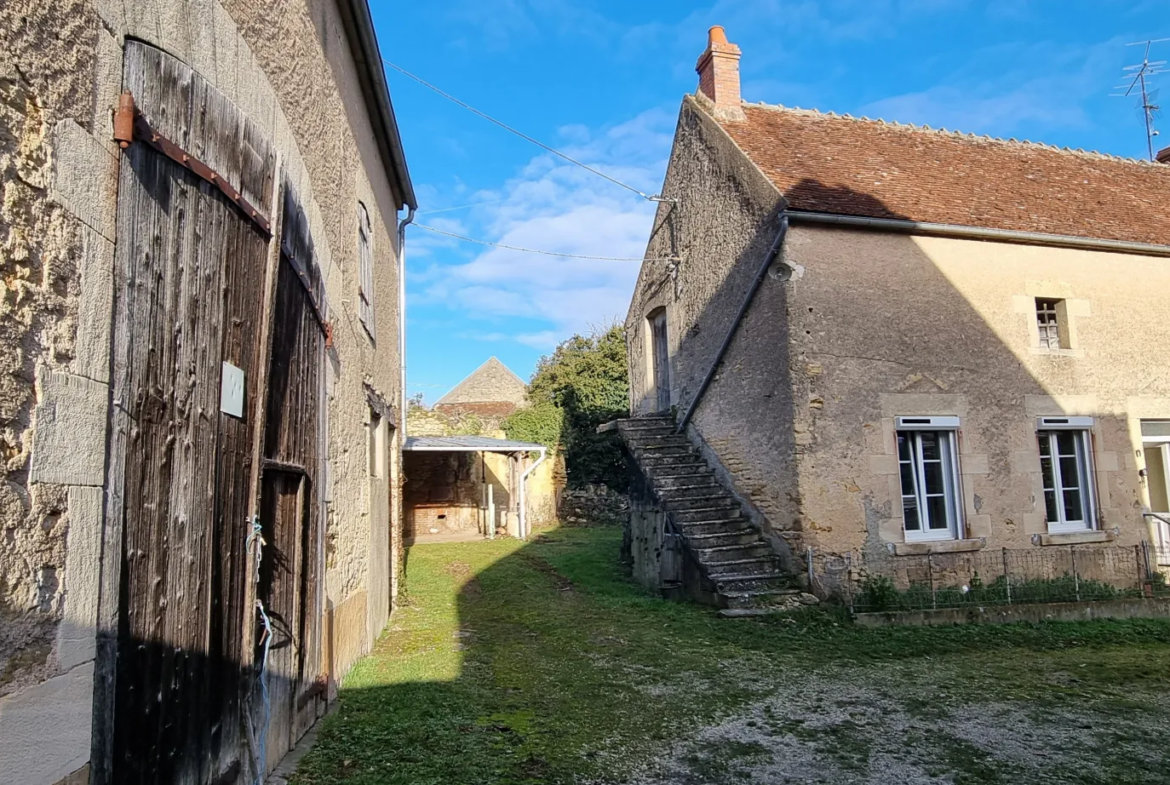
{"x": 359, "y": 28}
{"x": 978, "y": 233}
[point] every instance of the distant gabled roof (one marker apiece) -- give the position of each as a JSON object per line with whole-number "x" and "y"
{"x": 856, "y": 166}
{"x": 491, "y": 382}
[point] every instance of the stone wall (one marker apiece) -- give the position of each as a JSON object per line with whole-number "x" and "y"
{"x": 288, "y": 67}
{"x": 720, "y": 229}
{"x": 593, "y": 505}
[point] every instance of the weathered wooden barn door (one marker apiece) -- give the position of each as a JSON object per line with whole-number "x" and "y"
{"x": 190, "y": 271}
{"x": 290, "y": 571}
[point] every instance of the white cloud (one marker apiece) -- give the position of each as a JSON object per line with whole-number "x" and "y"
{"x": 553, "y": 205}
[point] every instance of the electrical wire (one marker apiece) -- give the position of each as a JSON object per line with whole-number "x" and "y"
{"x": 533, "y": 250}
{"x": 510, "y": 129}
{"x": 461, "y": 206}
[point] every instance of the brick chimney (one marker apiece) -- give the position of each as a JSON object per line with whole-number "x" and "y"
{"x": 719, "y": 75}
{"x": 1163, "y": 155}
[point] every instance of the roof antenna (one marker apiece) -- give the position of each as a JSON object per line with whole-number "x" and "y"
{"x": 1137, "y": 79}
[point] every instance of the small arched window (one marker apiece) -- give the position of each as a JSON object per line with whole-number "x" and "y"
{"x": 366, "y": 271}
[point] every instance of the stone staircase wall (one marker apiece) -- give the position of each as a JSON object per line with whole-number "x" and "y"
{"x": 689, "y": 535}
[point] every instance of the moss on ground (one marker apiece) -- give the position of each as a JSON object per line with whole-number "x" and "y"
{"x": 520, "y": 663}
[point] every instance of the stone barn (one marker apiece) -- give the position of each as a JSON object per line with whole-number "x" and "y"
{"x": 200, "y": 395}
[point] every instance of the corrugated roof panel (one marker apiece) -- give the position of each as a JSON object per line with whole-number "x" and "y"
{"x": 467, "y": 444}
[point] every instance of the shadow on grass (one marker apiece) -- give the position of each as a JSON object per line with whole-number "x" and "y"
{"x": 542, "y": 663}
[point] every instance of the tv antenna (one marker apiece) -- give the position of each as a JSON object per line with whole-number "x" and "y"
{"x": 1137, "y": 80}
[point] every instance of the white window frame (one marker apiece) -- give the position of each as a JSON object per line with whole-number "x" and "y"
{"x": 366, "y": 272}
{"x": 1161, "y": 527}
{"x": 911, "y": 428}
{"x": 1048, "y": 429}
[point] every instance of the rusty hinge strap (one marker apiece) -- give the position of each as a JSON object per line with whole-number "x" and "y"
{"x": 130, "y": 124}
{"x": 303, "y": 277}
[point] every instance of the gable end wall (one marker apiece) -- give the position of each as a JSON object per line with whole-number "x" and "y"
{"x": 720, "y": 229}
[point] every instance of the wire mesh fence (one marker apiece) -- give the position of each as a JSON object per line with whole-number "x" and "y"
{"x": 989, "y": 577}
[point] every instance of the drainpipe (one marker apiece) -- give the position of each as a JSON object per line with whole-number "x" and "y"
{"x": 747, "y": 301}
{"x": 523, "y": 521}
{"x": 402, "y": 318}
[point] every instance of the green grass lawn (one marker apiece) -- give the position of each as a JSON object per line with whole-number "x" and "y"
{"x": 541, "y": 663}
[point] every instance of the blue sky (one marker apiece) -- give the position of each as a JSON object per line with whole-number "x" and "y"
{"x": 602, "y": 81}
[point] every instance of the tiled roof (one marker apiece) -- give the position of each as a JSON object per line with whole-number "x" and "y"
{"x": 491, "y": 382}
{"x": 857, "y": 166}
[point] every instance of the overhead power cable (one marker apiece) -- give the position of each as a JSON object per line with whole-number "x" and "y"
{"x": 461, "y": 206}
{"x": 522, "y": 135}
{"x": 533, "y": 250}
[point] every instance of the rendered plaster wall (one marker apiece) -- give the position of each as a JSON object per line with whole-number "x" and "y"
{"x": 720, "y": 229}
{"x": 884, "y": 325}
{"x": 287, "y": 65}
{"x": 799, "y": 418}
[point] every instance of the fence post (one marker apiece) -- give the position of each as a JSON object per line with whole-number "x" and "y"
{"x": 930, "y": 574}
{"x": 1072, "y": 555}
{"x": 1007, "y": 577}
{"x": 1142, "y": 555}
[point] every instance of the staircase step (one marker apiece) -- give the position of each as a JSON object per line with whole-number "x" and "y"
{"x": 685, "y": 482}
{"x": 645, "y": 422}
{"x": 723, "y": 538}
{"x": 756, "y": 565}
{"x": 714, "y": 513}
{"x": 724, "y": 528}
{"x": 749, "y": 582}
{"x": 708, "y": 491}
{"x": 652, "y": 463}
{"x": 756, "y": 599}
{"x": 733, "y": 554}
{"x": 663, "y": 450}
{"x": 684, "y": 471}
{"x": 686, "y": 503}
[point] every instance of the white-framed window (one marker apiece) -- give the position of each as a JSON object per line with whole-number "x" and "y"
{"x": 928, "y": 468}
{"x": 1156, "y": 451}
{"x": 366, "y": 272}
{"x": 1066, "y": 468}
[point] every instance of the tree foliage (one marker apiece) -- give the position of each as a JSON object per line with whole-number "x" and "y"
{"x": 581, "y": 385}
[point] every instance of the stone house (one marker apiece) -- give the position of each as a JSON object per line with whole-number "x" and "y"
{"x": 490, "y": 391}
{"x": 201, "y": 380}
{"x": 882, "y": 342}
{"x": 463, "y": 475}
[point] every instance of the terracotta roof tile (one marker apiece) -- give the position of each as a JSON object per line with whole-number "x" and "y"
{"x": 834, "y": 164}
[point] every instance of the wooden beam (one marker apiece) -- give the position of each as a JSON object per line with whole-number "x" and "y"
{"x": 260, "y": 414}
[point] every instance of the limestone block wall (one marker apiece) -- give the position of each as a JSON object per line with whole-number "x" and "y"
{"x": 720, "y": 229}
{"x": 288, "y": 66}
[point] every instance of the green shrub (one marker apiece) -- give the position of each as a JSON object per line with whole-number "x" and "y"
{"x": 581, "y": 385}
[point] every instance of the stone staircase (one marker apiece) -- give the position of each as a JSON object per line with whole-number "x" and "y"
{"x": 732, "y": 553}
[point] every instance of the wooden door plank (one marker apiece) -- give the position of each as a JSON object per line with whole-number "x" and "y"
{"x": 171, "y": 485}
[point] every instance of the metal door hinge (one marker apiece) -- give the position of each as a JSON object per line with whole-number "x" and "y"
{"x": 130, "y": 125}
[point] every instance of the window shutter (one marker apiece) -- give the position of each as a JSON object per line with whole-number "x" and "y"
{"x": 365, "y": 273}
